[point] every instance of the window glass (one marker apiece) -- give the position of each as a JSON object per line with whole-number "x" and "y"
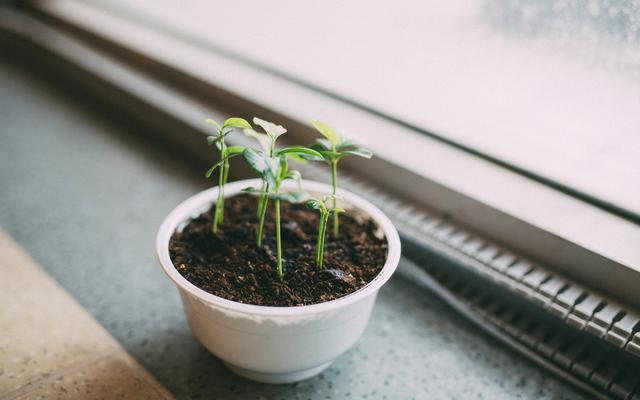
{"x": 551, "y": 86}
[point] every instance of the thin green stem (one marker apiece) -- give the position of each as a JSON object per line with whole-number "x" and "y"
{"x": 225, "y": 176}
{"x": 319, "y": 248}
{"x": 323, "y": 234}
{"x": 264, "y": 199}
{"x": 226, "y": 172}
{"x": 219, "y": 211}
{"x": 278, "y": 240}
{"x": 334, "y": 184}
{"x": 219, "y": 201}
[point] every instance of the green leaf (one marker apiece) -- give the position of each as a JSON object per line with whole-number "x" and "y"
{"x": 299, "y": 150}
{"x": 314, "y": 204}
{"x": 283, "y": 168}
{"x": 215, "y": 140}
{"x": 329, "y": 155}
{"x": 229, "y": 154}
{"x": 266, "y": 167}
{"x": 213, "y": 168}
{"x": 359, "y": 151}
{"x": 255, "y": 160}
{"x": 327, "y": 132}
{"x": 270, "y": 128}
{"x": 297, "y": 158}
{"x": 344, "y": 144}
{"x": 237, "y": 123}
{"x": 233, "y": 151}
{"x": 272, "y": 170}
{"x": 214, "y": 123}
{"x": 262, "y": 138}
{"x": 324, "y": 143}
{"x": 253, "y": 190}
{"x": 318, "y": 147}
{"x": 290, "y": 197}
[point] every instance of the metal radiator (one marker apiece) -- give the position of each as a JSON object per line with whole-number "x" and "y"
{"x": 574, "y": 332}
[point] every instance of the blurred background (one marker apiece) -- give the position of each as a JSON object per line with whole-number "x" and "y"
{"x": 549, "y": 86}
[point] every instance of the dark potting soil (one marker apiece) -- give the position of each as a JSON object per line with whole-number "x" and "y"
{"x": 230, "y": 265}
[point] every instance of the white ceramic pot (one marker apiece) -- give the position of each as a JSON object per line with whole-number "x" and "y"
{"x": 275, "y": 344}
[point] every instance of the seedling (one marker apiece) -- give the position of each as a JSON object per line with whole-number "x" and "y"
{"x": 273, "y": 167}
{"x": 333, "y": 148}
{"x": 226, "y": 153}
{"x": 266, "y": 162}
{"x": 325, "y": 212}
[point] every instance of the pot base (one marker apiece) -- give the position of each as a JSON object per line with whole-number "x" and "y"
{"x": 286, "y": 377}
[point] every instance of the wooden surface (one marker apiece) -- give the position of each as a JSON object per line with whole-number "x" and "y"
{"x": 50, "y": 347}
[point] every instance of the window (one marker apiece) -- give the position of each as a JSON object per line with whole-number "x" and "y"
{"x": 549, "y": 87}
{"x": 515, "y": 119}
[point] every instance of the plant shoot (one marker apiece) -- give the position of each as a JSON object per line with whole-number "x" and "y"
{"x": 273, "y": 168}
{"x": 325, "y": 212}
{"x": 226, "y": 153}
{"x": 334, "y": 147}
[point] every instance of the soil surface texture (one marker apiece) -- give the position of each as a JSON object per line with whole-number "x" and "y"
{"x": 230, "y": 265}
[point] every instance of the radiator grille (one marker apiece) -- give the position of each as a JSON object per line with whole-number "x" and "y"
{"x": 573, "y": 331}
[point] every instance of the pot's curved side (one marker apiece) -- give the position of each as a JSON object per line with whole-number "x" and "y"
{"x": 274, "y": 351}
{"x": 275, "y": 344}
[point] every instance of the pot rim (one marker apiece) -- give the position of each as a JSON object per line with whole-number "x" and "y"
{"x": 195, "y": 204}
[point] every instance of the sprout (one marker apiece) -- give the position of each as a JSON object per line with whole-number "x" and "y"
{"x": 266, "y": 162}
{"x": 321, "y": 205}
{"x": 225, "y": 154}
{"x": 273, "y": 167}
{"x": 333, "y": 147}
